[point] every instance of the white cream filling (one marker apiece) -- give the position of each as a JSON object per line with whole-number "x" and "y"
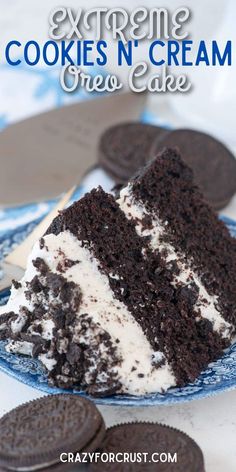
{"x": 99, "y": 302}
{"x": 34, "y": 468}
{"x": 206, "y": 303}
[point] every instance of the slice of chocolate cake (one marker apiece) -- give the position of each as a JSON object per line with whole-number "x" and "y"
{"x": 133, "y": 295}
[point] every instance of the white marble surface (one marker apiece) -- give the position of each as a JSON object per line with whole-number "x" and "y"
{"x": 211, "y": 422}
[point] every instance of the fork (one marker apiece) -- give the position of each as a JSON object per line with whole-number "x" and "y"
{"x": 14, "y": 264}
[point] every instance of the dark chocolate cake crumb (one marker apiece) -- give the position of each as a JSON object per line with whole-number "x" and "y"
{"x": 40, "y": 265}
{"x": 76, "y": 364}
{"x": 193, "y": 228}
{"x": 16, "y": 284}
{"x": 6, "y": 319}
{"x": 213, "y": 165}
{"x": 42, "y": 243}
{"x": 146, "y": 286}
{"x": 165, "y": 297}
{"x": 66, "y": 264}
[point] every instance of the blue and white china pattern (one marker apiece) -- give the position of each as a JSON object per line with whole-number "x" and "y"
{"x": 218, "y": 377}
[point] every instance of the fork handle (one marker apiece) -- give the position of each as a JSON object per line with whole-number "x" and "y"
{"x": 18, "y": 257}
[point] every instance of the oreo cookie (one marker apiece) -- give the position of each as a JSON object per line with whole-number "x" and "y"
{"x": 158, "y": 447}
{"x": 33, "y": 436}
{"x": 214, "y": 166}
{"x": 125, "y": 148}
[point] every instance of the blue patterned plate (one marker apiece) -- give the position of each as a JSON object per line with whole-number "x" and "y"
{"x": 218, "y": 377}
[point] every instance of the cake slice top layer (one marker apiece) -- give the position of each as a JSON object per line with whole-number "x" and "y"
{"x": 168, "y": 265}
{"x": 128, "y": 295}
{"x": 167, "y": 189}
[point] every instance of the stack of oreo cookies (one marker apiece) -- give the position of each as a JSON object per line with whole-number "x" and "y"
{"x": 36, "y": 434}
{"x": 54, "y": 433}
{"x": 125, "y": 148}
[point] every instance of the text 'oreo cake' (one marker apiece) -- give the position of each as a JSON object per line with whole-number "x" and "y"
{"x": 129, "y": 295}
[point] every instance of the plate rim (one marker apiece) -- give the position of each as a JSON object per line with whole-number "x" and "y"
{"x": 152, "y": 399}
